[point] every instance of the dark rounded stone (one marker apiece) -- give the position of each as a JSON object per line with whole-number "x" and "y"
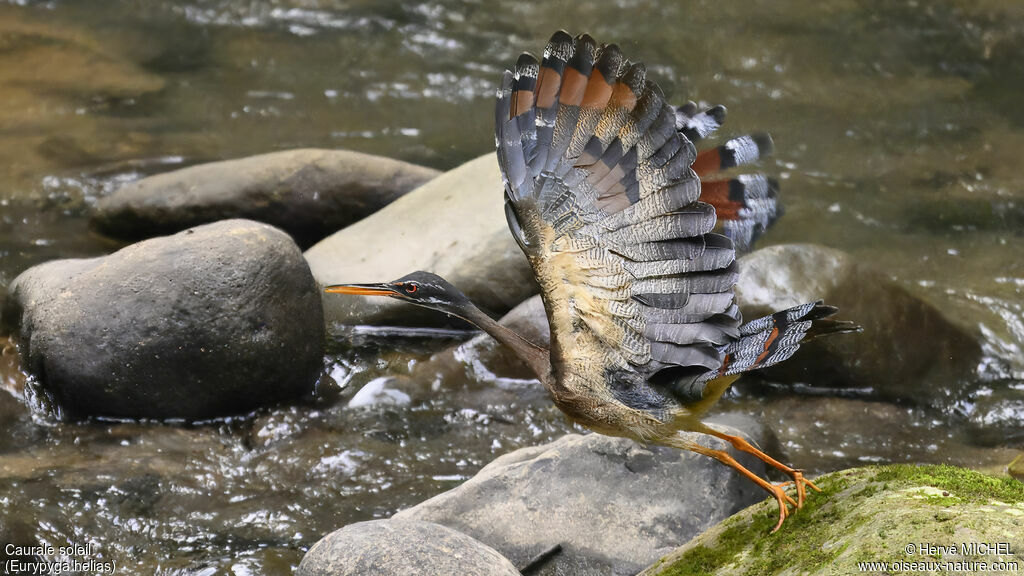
{"x": 908, "y": 349}
{"x": 401, "y": 548}
{"x": 309, "y": 193}
{"x": 216, "y": 320}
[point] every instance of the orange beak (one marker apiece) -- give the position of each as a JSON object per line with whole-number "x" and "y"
{"x": 361, "y": 289}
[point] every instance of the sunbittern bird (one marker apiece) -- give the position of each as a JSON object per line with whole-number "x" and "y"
{"x": 603, "y": 193}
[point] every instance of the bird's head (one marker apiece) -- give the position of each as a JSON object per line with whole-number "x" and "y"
{"x": 420, "y": 288}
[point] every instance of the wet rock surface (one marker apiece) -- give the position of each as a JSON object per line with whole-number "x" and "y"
{"x": 308, "y": 193}
{"x": 387, "y": 391}
{"x": 453, "y": 226}
{"x": 907, "y": 351}
{"x": 215, "y": 320}
{"x": 402, "y": 548}
{"x": 613, "y": 505}
{"x": 882, "y": 514}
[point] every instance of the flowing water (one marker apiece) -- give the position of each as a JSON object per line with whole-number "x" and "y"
{"x": 898, "y": 130}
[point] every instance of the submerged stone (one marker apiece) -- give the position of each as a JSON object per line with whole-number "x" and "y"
{"x": 383, "y": 391}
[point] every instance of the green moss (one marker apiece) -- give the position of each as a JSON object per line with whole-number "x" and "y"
{"x": 804, "y": 538}
{"x": 867, "y": 491}
{"x": 963, "y": 484}
{"x": 703, "y": 560}
{"x": 936, "y": 500}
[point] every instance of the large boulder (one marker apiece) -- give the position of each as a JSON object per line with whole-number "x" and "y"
{"x": 308, "y": 193}
{"x": 401, "y": 548}
{"x": 614, "y": 506}
{"x": 453, "y": 226}
{"x": 876, "y": 520}
{"x": 215, "y": 320}
{"x": 907, "y": 351}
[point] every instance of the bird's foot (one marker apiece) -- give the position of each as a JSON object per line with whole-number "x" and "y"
{"x": 800, "y": 483}
{"x": 783, "y": 499}
{"x": 777, "y": 490}
{"x": 797, "y": 476}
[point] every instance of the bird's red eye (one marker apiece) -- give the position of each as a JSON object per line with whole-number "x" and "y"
{"x": 411, "y": 288}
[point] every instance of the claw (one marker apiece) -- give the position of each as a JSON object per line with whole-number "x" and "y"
{"x": 799, "y": 482}
{"x": 781, "y": 497}
{"x": 777, "y": 490}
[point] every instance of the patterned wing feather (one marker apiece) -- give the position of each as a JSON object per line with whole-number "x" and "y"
{"x": 602, "y": 196}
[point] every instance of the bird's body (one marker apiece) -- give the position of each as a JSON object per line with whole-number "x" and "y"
{"x": 603, "y": 192}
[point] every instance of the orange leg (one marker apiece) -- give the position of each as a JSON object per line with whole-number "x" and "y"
{"x": 743, "y": 446}
{"x": 775, "y": 490}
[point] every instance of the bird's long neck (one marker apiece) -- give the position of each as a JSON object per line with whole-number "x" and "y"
{"x": 536, "y": 357}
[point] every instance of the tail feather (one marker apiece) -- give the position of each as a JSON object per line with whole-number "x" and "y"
{"x": 696, "y": 124}
{"x": 745, "y": 206}
{"x": 739, "y": 151}
{"x": 772, "y": 339}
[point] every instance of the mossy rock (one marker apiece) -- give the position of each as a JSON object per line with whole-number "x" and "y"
{"x": 872, "y": 514}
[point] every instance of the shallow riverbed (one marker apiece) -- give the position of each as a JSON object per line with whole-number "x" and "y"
{"x": 898, "y": 135}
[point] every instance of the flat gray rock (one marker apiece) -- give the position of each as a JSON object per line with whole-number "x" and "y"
{"x": 219, "y": 319}
{"x": 308, "y": 193}
{"x": 402, "y": 548}
{"x": 453, "y": 226}
{"x": 613, "y": 505}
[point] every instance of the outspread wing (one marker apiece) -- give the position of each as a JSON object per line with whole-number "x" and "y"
{"x": 602, "y": 196}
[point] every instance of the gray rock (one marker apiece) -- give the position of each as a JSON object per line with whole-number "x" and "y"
{"x": 907, "y": 351}
{"x": 383, "y": 391}
{"x": 401, "y": 548}
{"x": 308, "y": 193}
{"x": 453, "y": 226}
{"x": 215, "y": 320}
{"x": 613, "y": 505}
